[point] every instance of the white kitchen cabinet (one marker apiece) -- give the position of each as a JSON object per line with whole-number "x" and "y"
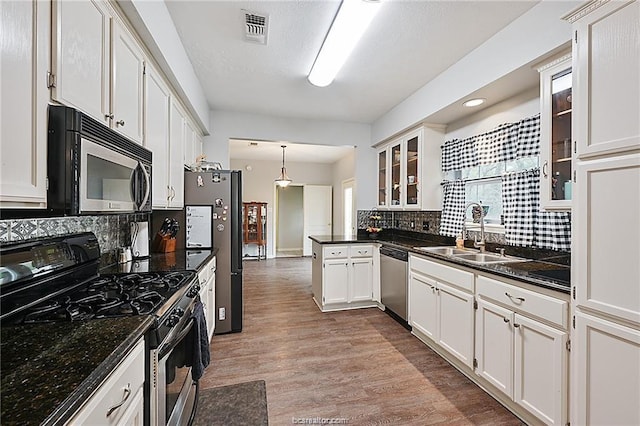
{"x": 81, "y": 56}
{"x": 606, "y": 83}
{"x": 120, "y": 398}
{"x": 127, "y": 86}
{"x": 164, "y": 123}
{"x": 519, "y": 355}
{"x": 189, "y": 143}
{"x": 207, "y": 281}
{"x": 156, "y": 119}
{"x": 442, "y": 309}
{"x": 23, "y": 122}
{"x": 605, "y": 231}
{"x": 605, "y": 388}
{"x": 98, "y": 65}
{"x": 606, "y": 237}
{"x": 556, "y": 143}
{"x": 344, "y": 276}
{"x": 408, "y": 170}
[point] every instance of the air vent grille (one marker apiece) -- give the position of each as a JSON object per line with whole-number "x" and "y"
{"x": 256, "y": 27}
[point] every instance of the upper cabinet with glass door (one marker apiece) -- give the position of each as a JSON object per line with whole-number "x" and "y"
{"x": 399, "y": 172}
{"x": 556, "y": 143}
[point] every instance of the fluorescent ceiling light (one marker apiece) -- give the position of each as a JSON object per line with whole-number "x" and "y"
{"x": 351, "y": 21}
{"x": 474, "y": 102}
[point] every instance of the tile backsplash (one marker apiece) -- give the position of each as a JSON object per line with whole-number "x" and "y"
{"x": 427, "y": 222}
{"x": 112, "y": 230}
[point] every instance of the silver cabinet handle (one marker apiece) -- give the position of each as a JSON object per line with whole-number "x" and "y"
{"x": 127, "y": 393}
{"x": 519, "y": 299}
{"x": 544, "y": 169}
{"x": 120, "y": 123}
{"x": 109, "y": 116}
{"x": 516, "y": 325}
{"x": 335, "y": 254}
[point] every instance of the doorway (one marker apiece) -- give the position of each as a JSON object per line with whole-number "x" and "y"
{"x": 289, "y": 221}
{"x": 348, "y": 207}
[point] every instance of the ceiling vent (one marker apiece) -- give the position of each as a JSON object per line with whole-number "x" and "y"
{"x": 256, "y": 27}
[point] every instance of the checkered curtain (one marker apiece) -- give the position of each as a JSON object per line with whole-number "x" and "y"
{"x": 524, "y": 223}
{"x": 506, "y": 142}
{"x": 453, "y": 208}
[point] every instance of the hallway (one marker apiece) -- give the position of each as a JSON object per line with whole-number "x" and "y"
{"x": 357, "y": 365}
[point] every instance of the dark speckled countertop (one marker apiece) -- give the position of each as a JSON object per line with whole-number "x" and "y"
{"x": 540, "y": 261}
{"x": 47, "y": 371}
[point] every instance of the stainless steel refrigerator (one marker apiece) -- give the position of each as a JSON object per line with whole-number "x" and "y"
{"x": 213, "y": 216}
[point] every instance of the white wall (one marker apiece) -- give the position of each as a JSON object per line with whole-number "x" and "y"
{"x": 229, "y": 125}
{"x": 528, "y": 38}
{"x": 514, "y": 109}
{"x": 259, "y": 184}
{"x": 343, "y": 169}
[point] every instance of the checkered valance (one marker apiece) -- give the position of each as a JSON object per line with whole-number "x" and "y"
{"x": 506, "y": 142}
{"x": 524, "y": 224}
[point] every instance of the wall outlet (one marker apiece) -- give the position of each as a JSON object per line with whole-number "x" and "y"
{"x": 425, "y": 225}
{"x": 413, "y": 225}
{"x": 222, "y": 314}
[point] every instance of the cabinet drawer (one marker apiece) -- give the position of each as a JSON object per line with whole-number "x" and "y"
{"x": 335, "y": 252}
{"x": 361, "y": 250}
{"x": 128, "y": 375}
{"x": 457, "y": 277}
{"x": 547, "y": 308}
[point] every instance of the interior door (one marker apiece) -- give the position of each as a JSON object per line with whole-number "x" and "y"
{"x": 317, "y": 201}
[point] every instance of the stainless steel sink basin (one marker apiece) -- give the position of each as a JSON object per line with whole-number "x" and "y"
{"x": 444, "y": 251}
{"x": 485, "y": 258}
{"x": 470, "y": 256}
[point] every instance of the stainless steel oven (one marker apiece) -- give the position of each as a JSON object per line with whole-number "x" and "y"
{"x": 93, "y": 169}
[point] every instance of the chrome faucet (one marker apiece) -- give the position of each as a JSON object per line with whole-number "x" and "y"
{"x": 477, "y": 244}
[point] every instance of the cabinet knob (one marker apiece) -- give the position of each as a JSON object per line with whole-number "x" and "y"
{"x": 108, "y": 116}
{"x": 505, "y": 319}
{"x": 516, "y": 325}
{"x": 120, "y": 123}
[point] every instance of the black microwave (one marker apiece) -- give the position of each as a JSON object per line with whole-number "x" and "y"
{"x": 93, "y": 169}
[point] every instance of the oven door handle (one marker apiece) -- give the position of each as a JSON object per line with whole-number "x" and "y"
{"x": 173, "y": 341}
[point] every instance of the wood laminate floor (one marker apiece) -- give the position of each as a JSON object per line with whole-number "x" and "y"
{"x": 357, "y": 365}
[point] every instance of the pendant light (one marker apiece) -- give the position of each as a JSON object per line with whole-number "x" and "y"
{"x": 283, "y": 180}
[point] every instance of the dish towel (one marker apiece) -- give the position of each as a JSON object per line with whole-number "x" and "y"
{"x": 198, "y": 341}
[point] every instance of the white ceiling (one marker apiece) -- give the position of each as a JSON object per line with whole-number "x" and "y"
{"x": 272, "y": 151}
{"x": 407, "y": 45}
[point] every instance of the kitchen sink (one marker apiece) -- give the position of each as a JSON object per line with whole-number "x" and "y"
{"x": 484, "y": 258}
{"x": 444, "y": 251}
{"x": 470, "y": 256}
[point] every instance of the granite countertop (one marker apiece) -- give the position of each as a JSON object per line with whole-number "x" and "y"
{"x": 49, "y": 370}
{"x": 179, "y": 260}
{"x": 540, "y": 261}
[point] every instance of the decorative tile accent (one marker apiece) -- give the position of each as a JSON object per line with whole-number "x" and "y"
{"x": 23, "y": 229}
{"x": 4, "y": 231}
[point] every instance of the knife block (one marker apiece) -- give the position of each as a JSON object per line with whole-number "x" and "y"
{"x": 164, "y": 244}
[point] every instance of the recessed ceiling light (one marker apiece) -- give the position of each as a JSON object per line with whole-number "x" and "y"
{"x": 474, "y": 102}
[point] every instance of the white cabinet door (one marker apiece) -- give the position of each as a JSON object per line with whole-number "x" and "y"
{"x": 423, "y": 305}
{"x": 605, "y": 372}
{"x": 606, "y": 236}
{"x": 175, "y": 187}
{"x": 494, "y": 345}
{"x": 81, "y": 56}
{"x": 456, "y": 322}
{"x": 127, "y": 64}
{"x": 157, "y": 105}
{"x": 23, "y": 104}
{"x": 335, "y": 281}
{"x": 607, "y": 84}
{"x": 361, "y": 282}
{"x": 189, "y": 155}
{"x": 540, "y": 373}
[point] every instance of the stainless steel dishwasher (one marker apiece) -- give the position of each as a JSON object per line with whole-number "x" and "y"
{"x": 393, "y": 281}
